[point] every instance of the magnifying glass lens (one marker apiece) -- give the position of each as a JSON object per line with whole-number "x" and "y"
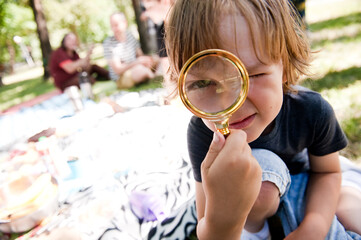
{"x": 213, "y": 84}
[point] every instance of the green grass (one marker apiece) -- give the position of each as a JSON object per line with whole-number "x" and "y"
{"x": 336, "y": 69}
{"x": 347, "y": 104}
{"x": 19, "y": 92}
{"x": 336, "y": 23}
{"x": 107, "y": 88}
{"x": 335, "y": 79}
{"x": 152, "y": 84}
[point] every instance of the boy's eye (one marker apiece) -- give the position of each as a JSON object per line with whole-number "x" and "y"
{"x": 200, "y": 84}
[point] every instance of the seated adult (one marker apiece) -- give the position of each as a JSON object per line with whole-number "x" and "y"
{"x": 65, "y": 65}
{"x": 128, "y": 65}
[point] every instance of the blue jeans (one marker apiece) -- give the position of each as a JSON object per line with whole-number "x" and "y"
{"x": 291, "y": 210}
{"x": 273, "y": 169}
{"x": 292, "y": 205}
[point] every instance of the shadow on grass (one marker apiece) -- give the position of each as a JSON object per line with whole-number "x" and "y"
{"x": 338, "y": 80}
{"x": 107, "y": 88}
{"x": 156, "y": 82}
{"x": 336, "y": 23}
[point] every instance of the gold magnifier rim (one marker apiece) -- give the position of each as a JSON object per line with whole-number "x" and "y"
{"x": 216, "y": 116}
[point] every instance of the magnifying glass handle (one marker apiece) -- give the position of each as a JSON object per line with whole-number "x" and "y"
{"x": 222, "y": 127}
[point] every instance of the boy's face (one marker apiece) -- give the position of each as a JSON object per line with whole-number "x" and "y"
{"x": 265, "y": 96}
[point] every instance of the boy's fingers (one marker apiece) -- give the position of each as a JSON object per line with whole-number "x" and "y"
{"x": 214, "y": 149}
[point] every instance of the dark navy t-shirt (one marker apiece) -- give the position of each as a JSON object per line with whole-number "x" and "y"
{"x": 305, "y": 124}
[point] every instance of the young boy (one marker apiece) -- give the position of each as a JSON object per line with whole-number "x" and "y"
{"x": 296, "y": 126}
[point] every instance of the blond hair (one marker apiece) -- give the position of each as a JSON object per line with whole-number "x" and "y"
{"x": 276, "y": 32}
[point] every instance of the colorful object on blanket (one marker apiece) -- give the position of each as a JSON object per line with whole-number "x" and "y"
{"x": 146, "y": 206}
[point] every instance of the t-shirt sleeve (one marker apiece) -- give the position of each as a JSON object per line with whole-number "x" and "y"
{"x": 65, "y": 62}
{"x": 199, "y": 138}
{"x": 328, "y": 135}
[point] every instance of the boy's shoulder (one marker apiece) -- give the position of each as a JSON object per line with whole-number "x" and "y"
{"x": 303, "y": 93}
{"x": 308, "y": 103}
{"x": 305, "y": 97}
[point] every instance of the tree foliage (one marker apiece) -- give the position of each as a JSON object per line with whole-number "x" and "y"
{"x": 15, "y": 20}
{"x": 88, "y": 19}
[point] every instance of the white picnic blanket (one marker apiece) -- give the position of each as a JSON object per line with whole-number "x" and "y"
{"x": 140, "y": 151}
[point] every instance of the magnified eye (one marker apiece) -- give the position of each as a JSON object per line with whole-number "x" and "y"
{"x": 201, "y": 84}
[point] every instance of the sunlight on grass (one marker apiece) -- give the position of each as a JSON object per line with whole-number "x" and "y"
{"x": 320, "y": 10}
{"x": 346, "y": 102}
{"x": 335, "y": 37}
{"x": 336, "y": 57}
{"x": 26, "y": 74}
{"x": 347, "y": 34}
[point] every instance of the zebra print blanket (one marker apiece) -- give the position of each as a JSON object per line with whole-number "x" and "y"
{"x": 139, "y": 151}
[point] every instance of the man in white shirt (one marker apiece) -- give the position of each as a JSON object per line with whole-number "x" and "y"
{"x": 128, "y": 65}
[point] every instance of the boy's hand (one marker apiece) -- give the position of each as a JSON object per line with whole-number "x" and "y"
{"x": 231, "y": 179}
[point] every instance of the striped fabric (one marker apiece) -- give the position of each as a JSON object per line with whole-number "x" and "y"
{"x": 126, "y": 52}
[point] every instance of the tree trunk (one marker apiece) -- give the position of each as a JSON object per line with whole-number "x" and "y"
{"x": 2, "y": 70}
{"x": 42, "y": 34}
{"x": 147, "y": 39}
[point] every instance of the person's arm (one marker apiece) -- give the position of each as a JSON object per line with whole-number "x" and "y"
{"x": 119, "y": 67}
{"x": 322, "y": 197}
{"x": 231, "y": 180}
{"x": 82, "y": 64}
{"x": 139, "y": 52}
{"x": 73, "y": 66}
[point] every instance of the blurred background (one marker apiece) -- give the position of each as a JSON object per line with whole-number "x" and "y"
{"x": 31, "y": 29}
{"x": 101, "y": 144}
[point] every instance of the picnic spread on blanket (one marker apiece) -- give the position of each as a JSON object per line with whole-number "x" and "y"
{"x": 96, "y": 174}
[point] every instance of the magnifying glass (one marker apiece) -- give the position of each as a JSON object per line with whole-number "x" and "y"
{"x": 213, "y": 84}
